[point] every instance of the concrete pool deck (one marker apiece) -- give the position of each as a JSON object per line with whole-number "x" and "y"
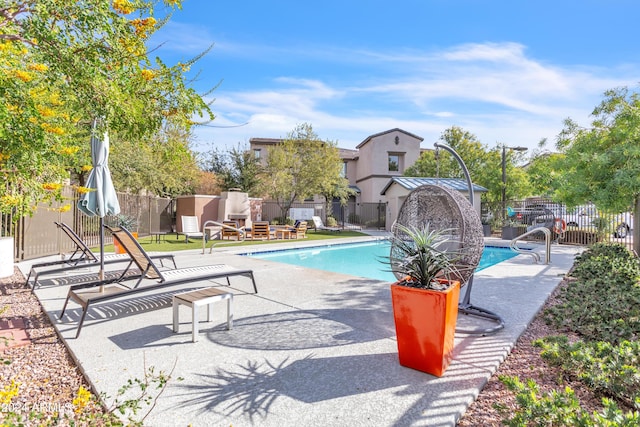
{"x": 311, "y": 348}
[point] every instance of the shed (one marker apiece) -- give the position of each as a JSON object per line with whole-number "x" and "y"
{"x": 399, "y": 187}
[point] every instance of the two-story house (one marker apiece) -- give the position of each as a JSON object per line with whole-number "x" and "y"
{"x": 372, "y": 167}
{"x": 369, "y": 167}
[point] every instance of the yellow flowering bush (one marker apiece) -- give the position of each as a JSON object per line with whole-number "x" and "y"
{"x": 25, "y": 76}
{"x": 38, "y": 67}
{"x": 51, "y": 186}
{"x": 68, "y": 150}
{"x": 142, "y": 26}
{"x": 148, "y": 74}
{"x": 82, "y": 190}
{"x": 52, "y": 129}
{"x": 123, "y": 6}
{"x": 8, "y": 392}
{"x": 51, "y": 94}
{"x": 10, "y": 201}
{"x": 83, "y": 397}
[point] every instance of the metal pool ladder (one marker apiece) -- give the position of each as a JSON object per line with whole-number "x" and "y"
{"x": 547, "y": 240}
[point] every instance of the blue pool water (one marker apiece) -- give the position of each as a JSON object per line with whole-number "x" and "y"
{"x": 361, "y": 259}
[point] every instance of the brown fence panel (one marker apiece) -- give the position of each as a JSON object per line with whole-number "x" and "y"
{"x": 37, "y": 236}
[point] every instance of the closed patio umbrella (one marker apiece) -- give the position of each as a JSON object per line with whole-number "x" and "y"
{"x": 103, "y": 200}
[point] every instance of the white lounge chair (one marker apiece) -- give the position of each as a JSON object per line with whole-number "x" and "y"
{"x": 190, "y": 228}
{"x": 319, "y": 225}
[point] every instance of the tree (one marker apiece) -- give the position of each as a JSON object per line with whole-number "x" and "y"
{"x": 484, "y": 165}
{"x": 302, "y": 166}
{"x": 65, "y": 64}
{"x": 237, "y": 168}
{"x": 544, "y": 171}
{"x": 602, "y": 163}
{"x": 162, "y": 164}
{"x": 445, "y": 165}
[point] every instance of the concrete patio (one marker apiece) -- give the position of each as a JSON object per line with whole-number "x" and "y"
{"x": 311, "y": 348}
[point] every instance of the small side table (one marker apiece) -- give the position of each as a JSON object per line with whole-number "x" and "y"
{"x": 158, "y": 235}
{"x": 283, "y": 233}
{"x": 197, "y": 298}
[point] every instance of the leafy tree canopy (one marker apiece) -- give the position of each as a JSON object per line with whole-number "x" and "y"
{"x": 545, "y": 171}
{"x": 301, "y": 166}
{"x": 64, "y": 64}
{"x": 602, "y": 162}
{"x": 237, "y": 168}
{"x": 484, "y": 165}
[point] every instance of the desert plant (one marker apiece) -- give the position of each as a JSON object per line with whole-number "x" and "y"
{"x": 423, "y": 256}
{"x": 331, "y": 221}
{"x": 126, "y": 221}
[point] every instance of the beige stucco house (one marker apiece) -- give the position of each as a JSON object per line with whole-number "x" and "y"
{"x": 369, "y": 167}
{"x": 375, "y": 169}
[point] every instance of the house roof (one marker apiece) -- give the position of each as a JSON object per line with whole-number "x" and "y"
{"x": 348, "y": 154}
{"x": 411, "y": 183}
{"x": 369, "y": 138}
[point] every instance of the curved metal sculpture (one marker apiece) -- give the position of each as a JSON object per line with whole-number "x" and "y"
{"x": 449, "y": 211}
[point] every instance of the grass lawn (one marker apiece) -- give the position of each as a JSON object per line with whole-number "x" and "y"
{"x": 169, "y": 243}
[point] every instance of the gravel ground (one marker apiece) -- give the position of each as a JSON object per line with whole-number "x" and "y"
{"x": 49, "y": 378}
{"x": 47, "y": 375}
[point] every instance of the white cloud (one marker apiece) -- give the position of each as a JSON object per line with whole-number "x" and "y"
{"x": 493, "y": 90}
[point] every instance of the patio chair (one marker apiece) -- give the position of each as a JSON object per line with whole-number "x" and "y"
{"x": 86, "y": 294}
{"x": 260, "y": 230}
{"x": 230, "y": 229}
{"x": 81, "y": 257}
{"x": 319, "y": 225}
{"x": 191, "y": 228}
{"x": 299, "y": 229}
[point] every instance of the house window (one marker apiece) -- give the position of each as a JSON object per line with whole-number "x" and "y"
{"x": 343, "y": 173}
{"x": 394, "y": 163}
{"x": 256, "y": 153}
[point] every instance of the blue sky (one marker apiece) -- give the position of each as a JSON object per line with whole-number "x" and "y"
{"x": 507, "y": 71}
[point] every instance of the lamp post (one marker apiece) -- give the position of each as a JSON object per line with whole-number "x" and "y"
{"x": 504, "y": 174}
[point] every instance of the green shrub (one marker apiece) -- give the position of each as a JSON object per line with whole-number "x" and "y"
{"x": 606, "y": 368}
{"x": 558, "y": 409}
{"x": 603, "y": 303}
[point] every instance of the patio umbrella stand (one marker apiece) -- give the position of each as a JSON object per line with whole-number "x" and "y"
{"x": 102, "y": 200}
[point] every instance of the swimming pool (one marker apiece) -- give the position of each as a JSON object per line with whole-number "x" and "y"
{"x": 361, "y": 259}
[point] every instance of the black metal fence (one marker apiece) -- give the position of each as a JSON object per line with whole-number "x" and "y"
{"x": 581, "y": 225}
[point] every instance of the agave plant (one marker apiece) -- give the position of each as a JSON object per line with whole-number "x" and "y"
{"x": 423, "y": 257}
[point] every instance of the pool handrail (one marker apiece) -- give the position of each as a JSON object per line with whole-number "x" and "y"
{"x": 241, "y": 232}
{"x": 547, "y": 239}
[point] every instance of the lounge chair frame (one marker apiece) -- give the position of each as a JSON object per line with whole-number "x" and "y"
{"x": 81, "y": 257}
{"x": 319, "y": 225}
{"x": 190, "y": 228}
{"x": 86, "y": 294}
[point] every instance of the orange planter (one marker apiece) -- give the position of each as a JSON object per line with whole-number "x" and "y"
{"x": 119, "y": 249}
{"x": 425, "y": 326}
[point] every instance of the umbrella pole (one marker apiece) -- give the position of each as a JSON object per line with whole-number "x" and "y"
{"x": 101, "y": 274}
